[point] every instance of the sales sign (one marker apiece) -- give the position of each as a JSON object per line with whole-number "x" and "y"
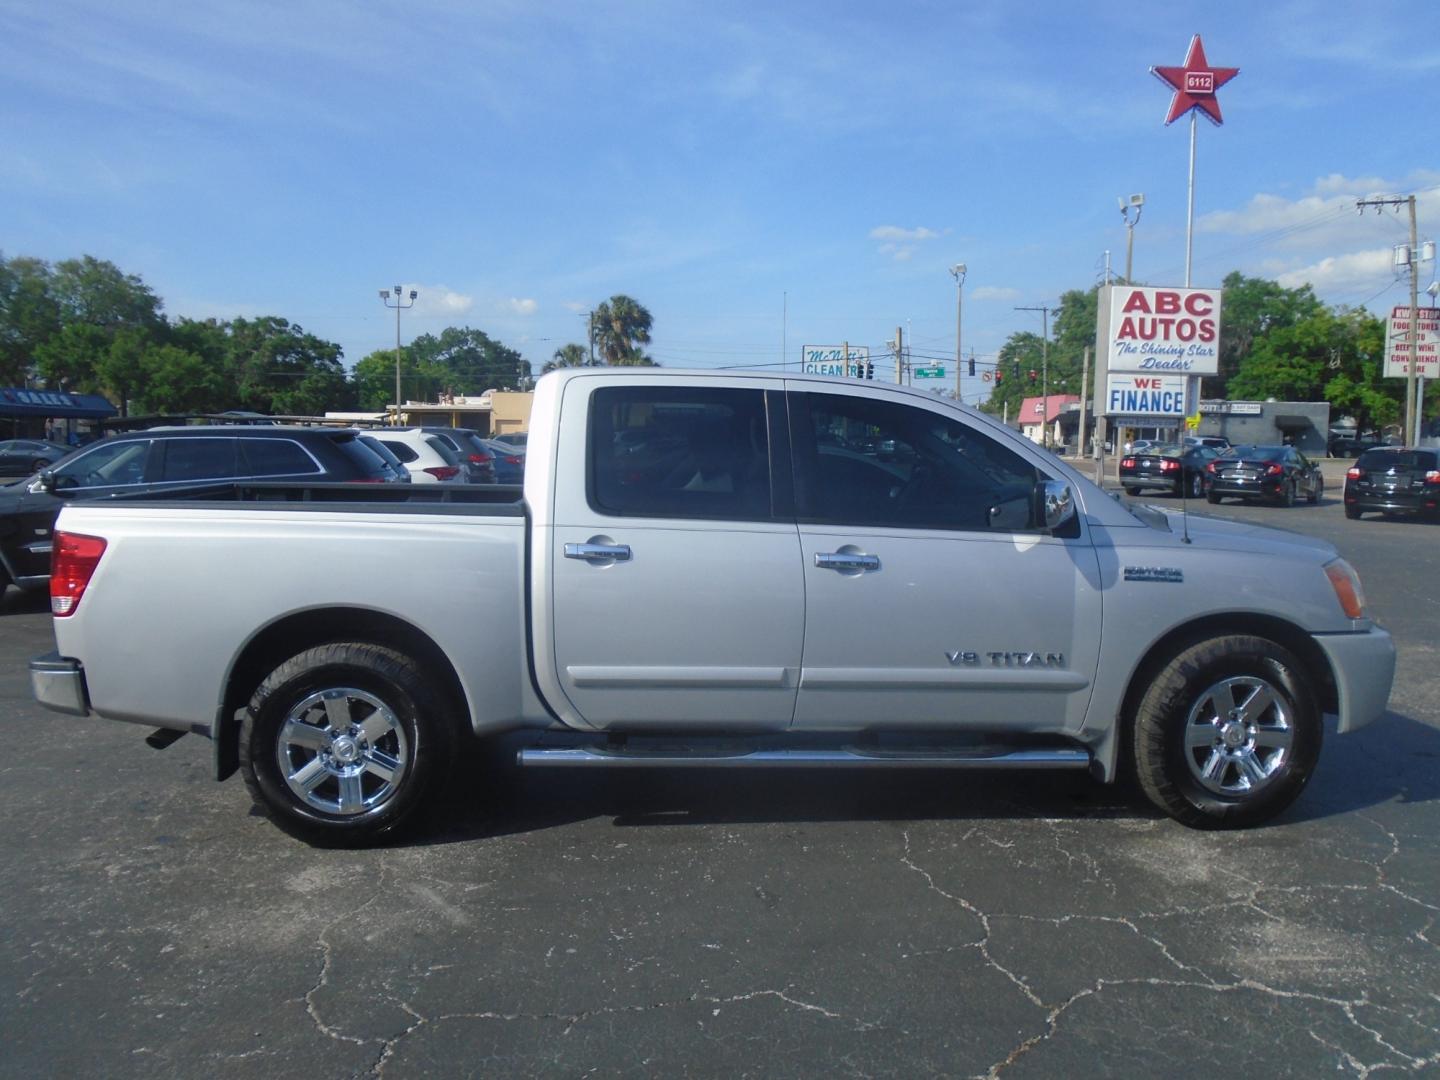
{"x": 1163, "y": 331}
{"x": 1146, "y": 395}
{"x": 1427, "y": 343}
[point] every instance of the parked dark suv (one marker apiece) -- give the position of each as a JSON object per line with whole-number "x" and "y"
{"x": 155, "y": 461}
{"x": 1394, "y": 480}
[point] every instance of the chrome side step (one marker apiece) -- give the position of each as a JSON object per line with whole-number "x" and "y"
{"x": 847, "y": 757}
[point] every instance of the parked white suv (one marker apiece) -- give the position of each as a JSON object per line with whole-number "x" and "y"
{"x": 428, "y": 457}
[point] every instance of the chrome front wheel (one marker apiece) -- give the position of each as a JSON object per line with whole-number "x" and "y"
{"x": 1238, "y": 736}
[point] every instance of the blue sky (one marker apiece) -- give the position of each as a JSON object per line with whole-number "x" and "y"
{"x": 755, "y": 174}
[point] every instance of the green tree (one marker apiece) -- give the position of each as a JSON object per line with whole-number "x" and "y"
{"x": 619, "y": 327}
{"x": 469, "y": 361}
{"x": 567, "y": 356}
{"x": 278, "y": 368}
{"x": 373, "y": 380}
{"x": 179, "y": 381}
{"x": 1059, "y": 367}
{"x": 29, "y": 316}
{"x": 1357, "y": 385}
{"x": 1250, "y": 310}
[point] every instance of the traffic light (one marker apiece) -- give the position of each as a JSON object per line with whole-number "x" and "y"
{"x": 1034, "y": 375}
{"x": 972, "y": 365}
{"x": 999, "y": 376}
{"x": 870, "y": 369}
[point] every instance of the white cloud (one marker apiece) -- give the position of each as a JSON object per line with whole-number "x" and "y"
{"x": 1338, "y": 273}
{"x": 901, "y": 243}
{"x": 579, "y": 307}
{"x": 994, "y": 292}
{"x": 522, "y": 307}
{"x": 439, "y": 300}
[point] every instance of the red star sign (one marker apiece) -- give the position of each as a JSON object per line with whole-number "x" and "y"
{"x": 1194, "y": 84}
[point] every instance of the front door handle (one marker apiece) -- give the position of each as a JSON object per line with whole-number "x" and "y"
{"x": 839, "y": 560}
{"x": 598, "y": 552}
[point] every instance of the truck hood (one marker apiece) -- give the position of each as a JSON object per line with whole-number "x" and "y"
{"x": 1222, "y": 534}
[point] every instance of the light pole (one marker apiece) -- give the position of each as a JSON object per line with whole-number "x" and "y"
{"x": 1431, "y": 290}
{"x": 958, "y": 272}
{"x": 1044, "y": 310}
{"x": 1137, "y": 203}
{"x": 399, "y": 306}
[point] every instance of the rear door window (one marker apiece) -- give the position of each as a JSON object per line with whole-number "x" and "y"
{"x": 680, "y": 451}
{"x": 110, "y": 464}
{"x": 276, "y": 457}
{"x": 198, "y": 459}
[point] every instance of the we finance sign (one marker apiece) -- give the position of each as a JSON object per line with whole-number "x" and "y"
{"x": 1147, "y": 395}
{"x": 1175, "y": 331}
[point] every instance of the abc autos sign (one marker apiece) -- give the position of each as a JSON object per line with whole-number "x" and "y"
{"x": 1163, "y": 331}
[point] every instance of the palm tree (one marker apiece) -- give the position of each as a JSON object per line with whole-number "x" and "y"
{"x": 567, "y": 356}
{"x": 619, "y": 327}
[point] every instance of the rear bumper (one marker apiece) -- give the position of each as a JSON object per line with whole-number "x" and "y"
{"x": 1364, "y": 667}
{"x": 58, "y": 683}
{"x": 1393, "y": 503}
{"x": 1255, "y": 489}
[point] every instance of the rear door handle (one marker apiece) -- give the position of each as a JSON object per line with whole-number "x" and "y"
{"x": 598, "y": 552}
{"x": 837, "y": 560}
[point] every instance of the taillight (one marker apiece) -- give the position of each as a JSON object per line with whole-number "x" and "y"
{"x": 1275, "y": 470}
{"x": 513, "y": 459}
{"x": 1169, "y": 466}
{"x": 1210, "y": 468}
{"x": 1127, "y": 463}
{"x": 1354, "y": 473}
{"x": 479, "y": 458}
{"x": 444, "y": 472}
{"x": 1432, "y": 477}
{"x": 72, "y": 564}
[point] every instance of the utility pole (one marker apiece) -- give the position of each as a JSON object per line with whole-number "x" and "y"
{"x": 1084, "y": 385}
{"x": 1044, "y": 371}
{"x": 399, "y": 306}
{"x": 1412, "y": 427}
{"x": 958, "y": 272}
{"x": 899, "y": 356}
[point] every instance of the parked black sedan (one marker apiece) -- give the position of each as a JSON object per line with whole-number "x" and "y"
{"x": 1180, "y": 470}
{"x": 22, "y": 457}
{"x": 1278, "y": 474}
{"x": 1394, "y": 481}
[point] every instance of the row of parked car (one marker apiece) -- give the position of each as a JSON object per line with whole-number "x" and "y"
{"x": 1394, "y": 481}
{"x": 158, "y": 460}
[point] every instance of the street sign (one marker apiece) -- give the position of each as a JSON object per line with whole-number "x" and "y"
{"x": 1427, "y": 345}
{"x": 929, "y": 372}
{"x": 830, "y": 360}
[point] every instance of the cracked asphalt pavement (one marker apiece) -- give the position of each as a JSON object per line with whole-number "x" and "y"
{"x": 771, "y": 924}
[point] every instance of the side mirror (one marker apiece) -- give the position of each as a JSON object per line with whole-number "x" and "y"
{"x": 1054, "y": 504}
{"x": 44, "y": 482}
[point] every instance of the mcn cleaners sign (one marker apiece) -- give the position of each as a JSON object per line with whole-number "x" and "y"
{"x": 1165, "y": 331}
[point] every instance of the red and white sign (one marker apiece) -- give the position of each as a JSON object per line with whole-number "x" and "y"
{"x": 1427, "y": 344}
{"x": 1164, "y": 331}
{"x": 1195, "y": 84}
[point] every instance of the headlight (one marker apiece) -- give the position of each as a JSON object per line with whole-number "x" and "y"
{"x": 1348, "y": 590}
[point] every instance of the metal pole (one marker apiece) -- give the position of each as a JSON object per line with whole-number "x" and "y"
{"x": 1190, "y": 203}
{"x": 1084, "y": 394}
{"x": 1045, "y": 378}
{"x": 399, "y": 306}
{"x": 1412, "y": 414}
{"x": 958, "y": 272}
{"x": 1130, "y": 247}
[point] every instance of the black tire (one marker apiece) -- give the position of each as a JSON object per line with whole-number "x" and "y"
{"x": 303, "y": 768}
{"x": 1197, "y": 485}
{"x": 1213, "y": 765}
{"x": 1317, "y": 491}
{"x": 1212, "y": 498}
{"x": 1286, "y": 494}
{"x": 1353, "y": 513}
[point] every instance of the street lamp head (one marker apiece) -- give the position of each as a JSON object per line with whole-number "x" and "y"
{"x": 413, "y": 294}
{"x": 1137, "y": 200}
{"x": 958, "y": 270}
{"x": 384, "y": 294}
{"x": 398, "y": 293}
{"x": 1432, "y": 290}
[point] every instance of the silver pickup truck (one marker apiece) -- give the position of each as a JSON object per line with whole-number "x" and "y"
{"x": 717, "y": 570}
